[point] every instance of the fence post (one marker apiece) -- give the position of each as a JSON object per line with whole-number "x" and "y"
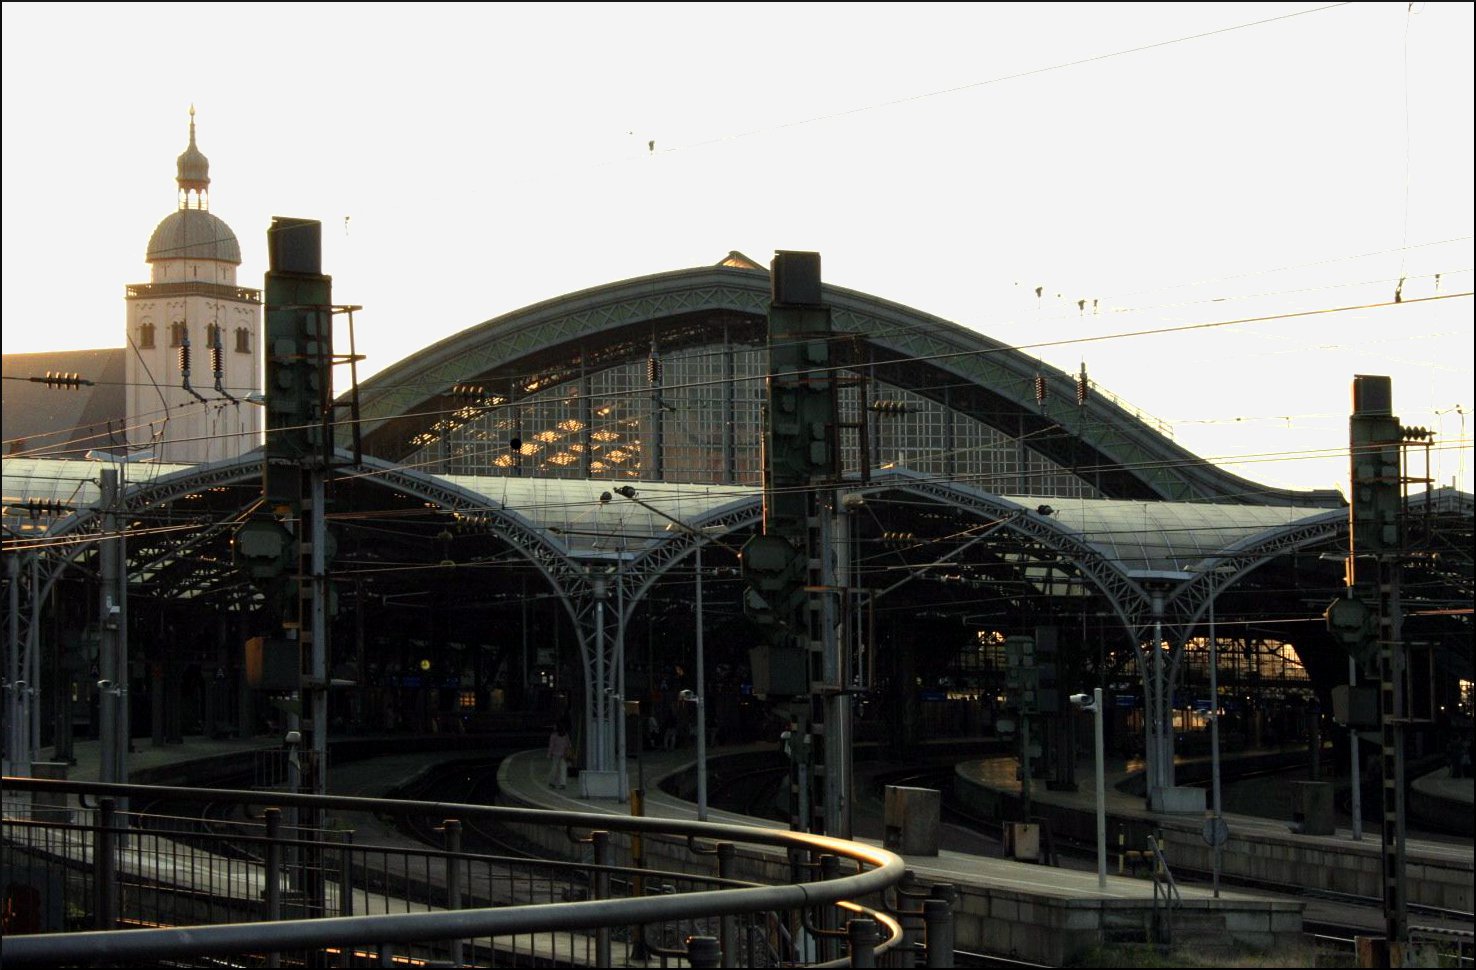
{"x": 702, "y": 951}
{"x": 105, "y": 866}
{"x": 861, "y": 934}
{"x": 727, "y": 853}
{"x": 346, "y": 893}
{"x": 828, "y": 921}
{"x": 939, "y": 918}
{"x": 905, "y": 953}
{"x": 272, "y": 891}
{"x": 600, "y": 840}
{"x": 452, "y": 829}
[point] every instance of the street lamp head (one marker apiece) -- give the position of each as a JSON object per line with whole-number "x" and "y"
{"x": 1044, "y": 510}
{"x": 1084, "y": 701}
{"x": 604, "y": 498}
{"x": 625, "y": 491}
{"x": 688, "y": 695}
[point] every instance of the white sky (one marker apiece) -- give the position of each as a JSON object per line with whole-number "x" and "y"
{"x": 467, "y": 160}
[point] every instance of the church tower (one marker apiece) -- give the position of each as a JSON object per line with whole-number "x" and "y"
{"x": 194, "y": 337}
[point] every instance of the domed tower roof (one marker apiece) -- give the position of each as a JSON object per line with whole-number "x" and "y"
{"x": 192, "y": 232}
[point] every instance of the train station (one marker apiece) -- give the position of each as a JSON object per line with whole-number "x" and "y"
{"x": 714, "y": 506}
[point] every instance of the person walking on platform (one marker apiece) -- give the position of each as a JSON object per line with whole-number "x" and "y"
{"x": 559, "y": 750}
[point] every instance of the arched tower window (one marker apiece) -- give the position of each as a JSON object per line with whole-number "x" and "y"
{"x": 177, "y": 333}
{"x": 213, "y": 334}
{"x": 243, "y": 340}
{"x": 146, "y": 336}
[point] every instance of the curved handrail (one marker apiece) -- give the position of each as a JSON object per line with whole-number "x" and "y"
{"x": 142, "y": 945}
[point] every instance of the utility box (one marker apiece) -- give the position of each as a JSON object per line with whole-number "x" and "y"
{"x": 1312, "y": 807}
{"x": 1022, "y": 841}
{"x": 273, "y": 664}
{"x": 912, "y": 818}
{"x": 1356, "y": 707}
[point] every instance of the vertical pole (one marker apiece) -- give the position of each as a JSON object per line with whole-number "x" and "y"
{"x": 600, "y": 841}
{"x": 838, "y": 705}
{"x": 111, "y": 666}
{"x": 596, "y": 744}
{"x": 727, "y": 852}
{"x": 13, "y": 757}
{"x": 1101, "y": 789}
{"x": 1152, "y": 701}
{"x": 938, "y": 916}
{"x": 272, "y": 891}
{"x": 701, "y": 696}
{"x": 1025, "y": 765}
{"x": 452, "y": 829}
{"x": 618, "y": 708}
{"x": 320, "y": 631}
{"x": 1391, "y": 688}
{"x": 861, "y": 939}
{"x": 1215, "y": 733}
{"x": 1355, "y": 770}
{"x": 33, "y": 663}
{"x": 104, "y": 866}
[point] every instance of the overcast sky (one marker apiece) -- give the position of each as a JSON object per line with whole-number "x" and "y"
{"x": 1170, "y": 164}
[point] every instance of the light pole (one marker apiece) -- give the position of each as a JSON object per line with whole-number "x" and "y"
{"x": 1094, "y": 704}
{"x": 1215, "y": 831}
{"x": 698, "y": 696}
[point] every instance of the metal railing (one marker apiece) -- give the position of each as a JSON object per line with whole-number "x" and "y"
{"x": 243, "y": 884}
{"x": 1165, "y": 894}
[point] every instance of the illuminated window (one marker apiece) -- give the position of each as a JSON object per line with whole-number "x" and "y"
{"x": 467, "y": 700}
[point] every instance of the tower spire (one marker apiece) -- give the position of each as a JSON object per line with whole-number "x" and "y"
{"x": 193, "y": 174}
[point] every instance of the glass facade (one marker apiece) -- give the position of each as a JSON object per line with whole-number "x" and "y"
{"x": 701, "y": 422}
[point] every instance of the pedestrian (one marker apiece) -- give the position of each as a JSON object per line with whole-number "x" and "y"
{"x": 560, "y": 750}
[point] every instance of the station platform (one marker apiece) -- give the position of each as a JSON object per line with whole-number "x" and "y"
{"x": 1006, "y": 907}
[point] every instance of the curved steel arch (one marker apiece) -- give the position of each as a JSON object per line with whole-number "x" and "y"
{"x": 1127, "y": 598}
{"x": 646, "y": 568}
{"x": 556, "y": 566}
{"x": 1128, "y": 449}
{"x": 1190, "y": 600}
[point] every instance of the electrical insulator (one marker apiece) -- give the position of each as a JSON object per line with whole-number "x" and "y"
{"x": 898, "y": 538}
{"x": 653, "y": 369}
{"x": 217, "y": 358}
{"x": 1081, "y": 390}
{"x": 1040, "y": 389}
{"x": 184, "y": 355}
{"x": 46, "y": 507}
{"x": 888, "y": 407}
